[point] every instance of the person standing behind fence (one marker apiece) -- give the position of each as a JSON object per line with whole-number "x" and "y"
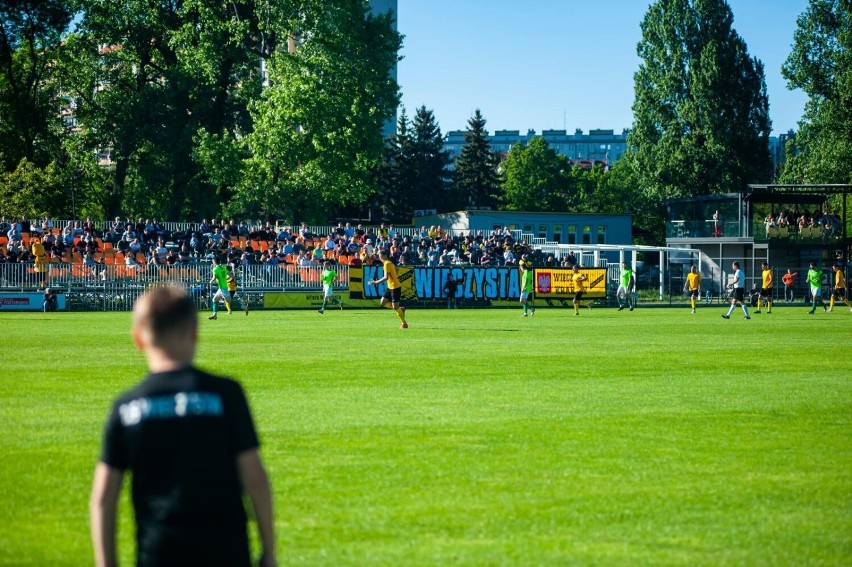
{"x": 839, "y": 291}
{"x": 451, "y": 289}
{"x": 693, "y": 286}
{"x": 815, "y": 284}
{"x": 189, "y": 440}
{"x": 393, "y": 293}
{"x": 789, "y": 280}
{"x": 626, "y": 287}
{"x": 526, "y": 285}
{"x": 328, "y": 276}
{"x": 41, "y": 261}
{"x": 738, "y": 285}
{"x": 220, "y": 277}
{"x": 765, "y": 289}
{"x": 579, "y": 288}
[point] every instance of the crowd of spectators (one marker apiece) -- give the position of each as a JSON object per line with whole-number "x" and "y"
{"x": 148, "y": 242}
{"x": 828, "y": 224}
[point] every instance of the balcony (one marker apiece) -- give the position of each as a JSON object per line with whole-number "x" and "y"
{"x": 702, "y": 229}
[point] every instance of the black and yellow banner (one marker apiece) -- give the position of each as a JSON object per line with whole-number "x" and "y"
{"x": 500, "y": 286}
{"x": 558, "y": 283}
{"x": 360, "y": 289}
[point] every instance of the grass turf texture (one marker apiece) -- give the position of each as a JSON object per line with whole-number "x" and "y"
{"x": 474, "y": 437}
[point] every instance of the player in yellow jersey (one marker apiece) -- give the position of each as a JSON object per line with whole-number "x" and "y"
{"x": 839, "y": 291}
{"x": 41, "y": 261}
{"x": 765, "y": 295}
{"x": 579, "y": 288}
{"x": 693, "y": 286}
{"x": 232, "y": 288}
{"x": 393, "y": 293}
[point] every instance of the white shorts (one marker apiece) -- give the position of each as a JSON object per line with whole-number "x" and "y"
{"x": 816, "y": 291}
{"x": 327, "y": 291}
{"x": 524, "y": 296}
{"x": 621, "y": 290}
{"x": 222, "y": 294}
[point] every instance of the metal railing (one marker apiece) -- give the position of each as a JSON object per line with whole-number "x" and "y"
{"x": 15, "y": 276}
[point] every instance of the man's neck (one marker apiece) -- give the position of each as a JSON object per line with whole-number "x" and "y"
{"x": 159, "y": 361}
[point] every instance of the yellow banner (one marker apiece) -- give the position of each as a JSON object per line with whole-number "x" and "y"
{"x": 296, "y": 299}
{"x": 558, "y": 283}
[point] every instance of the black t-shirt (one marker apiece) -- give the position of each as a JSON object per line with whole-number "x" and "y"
{"x": 179, "y": 433}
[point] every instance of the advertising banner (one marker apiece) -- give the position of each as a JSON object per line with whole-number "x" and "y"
{"x": 498, "y": 286}
{"x": 359, "y": 288}
{"x": 423, "y": 284}
{"x": 27, "y": 301}
{"x": 558, "y": 283}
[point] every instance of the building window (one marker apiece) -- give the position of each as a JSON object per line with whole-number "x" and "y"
{"x": 572, "y": 234}
{"x": 527, "y": 229}
{"x": 542, "y": 231}
{"x": 587, "y": 234}
{"x": 601, "y": 234}
{"x": 557, "y": 233}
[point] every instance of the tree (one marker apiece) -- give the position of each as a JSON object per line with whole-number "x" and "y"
{"x": 534, "y": 178}
{"x": 31, "y": 32}
{"x": 317, "y": 138}
{"x": 431, "y": 162}
{"x": 31, "y": 190}
{"x": 397, "y": 175}
{"x": 820, "y": 64}
{"x": 476, "y": 182}
{"x": 701, "y": 122}
{"x": 148, "y": 77}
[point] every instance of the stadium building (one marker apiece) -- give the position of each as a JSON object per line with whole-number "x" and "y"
{"x": 787, "y": 226}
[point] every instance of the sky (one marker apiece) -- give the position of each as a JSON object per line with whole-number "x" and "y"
{"x": 559, "y": 64}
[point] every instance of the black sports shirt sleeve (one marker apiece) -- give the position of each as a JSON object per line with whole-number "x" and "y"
{"x": 243, "y": 434}
{"x": 114, "y": 450}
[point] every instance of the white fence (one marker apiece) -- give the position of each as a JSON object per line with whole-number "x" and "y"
{"x": 256, "y": 277}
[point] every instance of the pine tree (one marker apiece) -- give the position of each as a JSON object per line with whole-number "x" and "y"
{"x": 431, "y": 162}
{"x": 476, "y": 183}
{"x": 701, "y": 113}
{"x": 398, "y": 174}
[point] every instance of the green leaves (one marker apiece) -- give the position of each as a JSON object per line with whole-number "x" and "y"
{"x": 476, "y": 181}
{"x": 415, "y": 169}
{"x": 534, "y": 178}
{"x": 820, "y": 64}
{"x": 316, "y": 142}
{"x": 701, "y": 122}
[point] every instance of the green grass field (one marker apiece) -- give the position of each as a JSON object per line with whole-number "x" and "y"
{"x": 476, "y": 437}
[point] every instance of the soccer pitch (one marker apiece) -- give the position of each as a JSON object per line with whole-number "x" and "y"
{"x": 475, "y": 437}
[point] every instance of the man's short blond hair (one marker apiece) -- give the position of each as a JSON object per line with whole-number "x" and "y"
{"x": 163, "y": 313}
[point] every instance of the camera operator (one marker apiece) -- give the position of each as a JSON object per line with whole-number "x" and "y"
{"x": 50, "y": 301}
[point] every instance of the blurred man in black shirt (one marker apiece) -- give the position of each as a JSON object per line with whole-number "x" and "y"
{"x": 189, "y": 441}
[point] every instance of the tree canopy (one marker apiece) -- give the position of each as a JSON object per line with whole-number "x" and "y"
{"x": 701, "y": 113}
{"x": 820, "y": 64}
{"x": 198, "y": 107}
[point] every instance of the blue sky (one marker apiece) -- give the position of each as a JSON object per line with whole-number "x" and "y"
{"x": 545, "y": 64}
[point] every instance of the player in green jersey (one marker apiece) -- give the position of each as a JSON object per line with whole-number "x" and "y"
{"x": 220, "y": 277}
{"x": 526, "y": 285}
{"x": 328, "y": 276}
{"x": 815, "y": 283}
{"x": 624, "y": 295}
